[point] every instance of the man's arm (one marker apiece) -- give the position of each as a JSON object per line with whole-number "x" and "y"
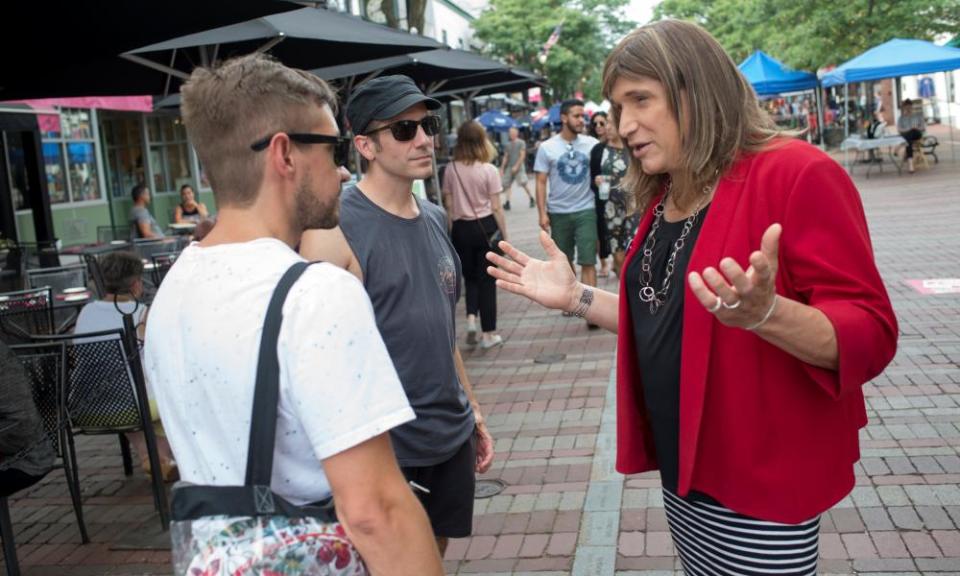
{"x": 379, "y": 512}
{"x": 542, "y": 200}
{"x": 330, "y": 246}
{"x": 484, "y": 440}
{"x": 143, "y": 226}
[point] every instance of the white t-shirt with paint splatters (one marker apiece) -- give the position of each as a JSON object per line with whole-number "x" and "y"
{"x": 338, "y": 387}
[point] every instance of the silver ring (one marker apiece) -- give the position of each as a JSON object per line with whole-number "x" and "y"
{"x": 733, "y": 306}
{"x": 713, "y": 309}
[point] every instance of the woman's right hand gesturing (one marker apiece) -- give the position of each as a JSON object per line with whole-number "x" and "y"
{"x": 550, "y": 283}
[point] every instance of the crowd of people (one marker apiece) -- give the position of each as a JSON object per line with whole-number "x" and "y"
{"x": 732, "y": 280}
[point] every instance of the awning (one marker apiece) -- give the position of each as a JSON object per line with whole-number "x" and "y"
{"x": 768, "y": 75}
{"x": 895, "y": 58}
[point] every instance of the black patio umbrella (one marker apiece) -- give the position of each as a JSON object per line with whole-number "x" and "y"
{"x": 83, "y": 42}
{"x": 304, "y": 38}
{"x": 431, "y": 69}
{"x": 469, "y": 87}
{"x": 66, "y": 49}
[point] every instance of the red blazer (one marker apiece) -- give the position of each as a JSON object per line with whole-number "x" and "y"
{"x": 765, "y": 434}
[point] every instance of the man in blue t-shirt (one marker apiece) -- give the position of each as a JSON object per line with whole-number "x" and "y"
{"x": 568, "y": 211}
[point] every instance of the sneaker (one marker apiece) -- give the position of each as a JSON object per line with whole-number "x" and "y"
{"x": 487, "y": 343}
{"x": 506, "y": 205}
{"x": 472, "y": 332}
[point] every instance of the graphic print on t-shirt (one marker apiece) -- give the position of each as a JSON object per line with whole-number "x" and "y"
{"x": 573, "y": 167}
{"x": 448, "y": 275}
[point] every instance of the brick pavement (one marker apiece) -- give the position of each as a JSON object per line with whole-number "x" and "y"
{"x": 565, "y": 511}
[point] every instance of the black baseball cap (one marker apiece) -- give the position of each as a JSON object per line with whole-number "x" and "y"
{"x": 383, "y": 98}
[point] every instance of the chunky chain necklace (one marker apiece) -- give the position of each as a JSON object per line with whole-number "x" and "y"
{"x": 649, "y": 294}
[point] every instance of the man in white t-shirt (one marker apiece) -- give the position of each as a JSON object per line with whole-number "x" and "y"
{"x": 269, "y": 143}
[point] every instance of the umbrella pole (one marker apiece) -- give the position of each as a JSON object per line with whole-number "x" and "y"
{"x": 949, "y": 104}
{"x": 846, "y": 123}
{"x": 820, "y": 126}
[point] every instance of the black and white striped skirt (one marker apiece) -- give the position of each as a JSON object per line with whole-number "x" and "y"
{"x": 712, "y": 540}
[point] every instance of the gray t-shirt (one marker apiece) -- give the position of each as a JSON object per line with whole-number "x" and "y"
{"x": 140, "y": 214}
{"x": 513, "y": 149}
{"x": 412, "y": 274}
{"x": 568, "y": 166}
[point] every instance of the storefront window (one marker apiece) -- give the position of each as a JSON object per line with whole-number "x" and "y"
{"x": 82, "y": 160}
{"x": 123, "y": 152}
{"x": 69, "y": 149}
{"x": 53, "y": 163}
{"x": 169, "y": 153}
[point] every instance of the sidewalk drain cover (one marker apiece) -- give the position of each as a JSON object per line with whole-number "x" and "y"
{"x": 549, "y": 358}
{"x": 488, "y": 488}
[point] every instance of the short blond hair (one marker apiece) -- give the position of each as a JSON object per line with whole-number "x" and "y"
{"x": 724, "y": 120}
{"x": 229, "y": 107}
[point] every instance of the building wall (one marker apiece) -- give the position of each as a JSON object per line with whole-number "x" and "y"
{"x": 449, "y": 25}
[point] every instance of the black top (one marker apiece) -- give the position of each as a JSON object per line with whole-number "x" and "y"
{"x": 658, "y": 339}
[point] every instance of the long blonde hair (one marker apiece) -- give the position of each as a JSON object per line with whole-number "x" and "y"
{"x": 725, "y": 118}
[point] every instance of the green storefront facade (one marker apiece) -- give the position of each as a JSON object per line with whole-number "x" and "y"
{"x": 92, "y": 158}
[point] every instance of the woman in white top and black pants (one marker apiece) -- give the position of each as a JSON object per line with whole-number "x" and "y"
{"x": 471, "y": 188}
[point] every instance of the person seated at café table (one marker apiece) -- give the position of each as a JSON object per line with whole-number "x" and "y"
{"x": 123, "y": 286}
{"x": 189, "y": 210}
{"x": 911, "y": 126}
{"x": 142, "y": 222}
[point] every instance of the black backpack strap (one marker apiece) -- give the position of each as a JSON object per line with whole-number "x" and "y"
{"x": 266, "y": 397}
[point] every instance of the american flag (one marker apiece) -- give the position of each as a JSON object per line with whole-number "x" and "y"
{"x": 554, "y": 37}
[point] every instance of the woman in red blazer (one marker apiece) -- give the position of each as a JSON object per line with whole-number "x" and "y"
{"x": 751, "y": 313}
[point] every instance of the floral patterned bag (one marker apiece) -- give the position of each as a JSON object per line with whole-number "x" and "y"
{"x": 248, "y": 530}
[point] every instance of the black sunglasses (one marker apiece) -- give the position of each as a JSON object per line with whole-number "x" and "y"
{"x": 341, "y": 144}
{"x": 406, "y": 130}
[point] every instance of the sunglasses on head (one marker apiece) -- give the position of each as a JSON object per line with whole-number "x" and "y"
{"x": 406, "y": 130}
{"x": 340, "y": 144}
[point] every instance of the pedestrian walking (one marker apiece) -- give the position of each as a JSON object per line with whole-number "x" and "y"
{"x": 471, "y": 193}
{"x": 399, "y": 248}
{"x": 748, "y": 316}
{"x": 616, "y": 209}
{"x": 514, "y": 167}
{"x": 601, "y": 130}
{"x": 269, "y": 143}
{"x": 568, "y": 211}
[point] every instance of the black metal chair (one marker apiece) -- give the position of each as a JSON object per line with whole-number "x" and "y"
{"x": 161, "y": 265}
{"x": 9, "y": 545}
{"x": 107, "y": 394}
{"x": 59, "y": 278}
{"x": 147, "y": 248}
{"x": 46, "y": 366}
{"x": 113, "y": 233}
{"x": 25, "y": 313}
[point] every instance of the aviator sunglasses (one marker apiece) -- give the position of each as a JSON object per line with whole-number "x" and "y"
{"x": 340, "y": 144}
{"x": 406, "y": 130}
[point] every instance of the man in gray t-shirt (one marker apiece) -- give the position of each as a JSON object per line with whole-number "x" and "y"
{"x": 514, "y": 169}
{"x": 399, "y": 248}
{"x": 142, "y": 222}
{"x": 567, "y": 211}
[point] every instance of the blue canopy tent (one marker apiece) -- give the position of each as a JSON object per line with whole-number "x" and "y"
{"x": 768, "y": 75}
{"x": 496, "y": 121}
{"x": 898, "y": 57}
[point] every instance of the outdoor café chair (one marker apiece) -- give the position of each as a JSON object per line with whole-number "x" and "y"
{"x": 40, "y": 254}
{"x": 147, "y": 248}
{"x": 25, "y": 313}
{"x": 161, "y": 265}
{"x": 46, "y": 366}
{"x": 107, "y": 394}
{"x": 60, "y": 278}
{"x": 106, "y": 234}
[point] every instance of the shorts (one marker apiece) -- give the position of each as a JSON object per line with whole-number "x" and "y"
{"x": 520, "y": 178}
{"x": 449, "y": 504}
{"x": 576, "y": 230}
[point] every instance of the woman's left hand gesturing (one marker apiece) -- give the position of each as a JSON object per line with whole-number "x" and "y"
{"x": 738, "y": 298}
